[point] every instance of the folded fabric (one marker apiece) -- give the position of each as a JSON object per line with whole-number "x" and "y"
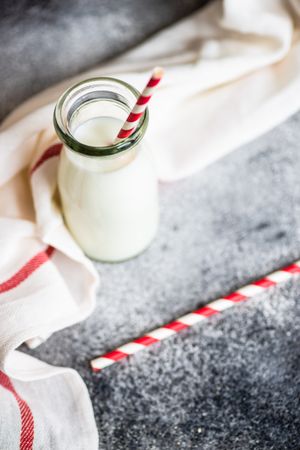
{"x": 46, "y": 284}
{"x": 232, "y": 72}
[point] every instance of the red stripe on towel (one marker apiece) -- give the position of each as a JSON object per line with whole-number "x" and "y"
{"x": 27, "y": 421}
{"x": 31, "y": 266}
{"x": 54, "y": 150}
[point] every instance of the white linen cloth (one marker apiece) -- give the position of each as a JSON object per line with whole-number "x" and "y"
{"x": 232, "y": 73}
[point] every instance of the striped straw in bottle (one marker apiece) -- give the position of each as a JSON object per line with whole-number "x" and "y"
{"x": 140, "y": 106}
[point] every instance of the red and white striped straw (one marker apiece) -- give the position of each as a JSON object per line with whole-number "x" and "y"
{"x": 188, "y": 320}
{"x": 140, "y": 106}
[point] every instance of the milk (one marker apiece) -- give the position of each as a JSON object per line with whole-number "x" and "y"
{"x": 110, "y": 203}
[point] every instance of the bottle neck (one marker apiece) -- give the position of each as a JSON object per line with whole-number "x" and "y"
{"x": 95, "y": 100}
{"x": 103, "y": 164}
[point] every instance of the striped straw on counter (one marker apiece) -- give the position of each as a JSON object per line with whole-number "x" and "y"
{"x": 190, "y": 319}
{"x": 140, "y": 106}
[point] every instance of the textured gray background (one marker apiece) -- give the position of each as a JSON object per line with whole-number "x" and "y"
{"x": 45, "y": 41}
{"x": 233, "y": 381}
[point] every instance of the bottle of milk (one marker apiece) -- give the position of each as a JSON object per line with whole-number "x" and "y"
{"x": 109, "y": 191}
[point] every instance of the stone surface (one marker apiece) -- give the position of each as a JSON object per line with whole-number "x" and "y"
{"x": 45, "y": 41}
{"x": 232, "y": 382}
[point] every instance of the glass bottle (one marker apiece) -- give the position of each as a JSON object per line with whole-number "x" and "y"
{"x": 109, "y": 191}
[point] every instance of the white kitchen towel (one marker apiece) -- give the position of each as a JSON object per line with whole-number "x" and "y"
{"x": 46, "y": 284}
{"x": 232, "y": 72}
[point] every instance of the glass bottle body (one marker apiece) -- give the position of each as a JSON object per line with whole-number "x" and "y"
{"x": 109, "y": 192}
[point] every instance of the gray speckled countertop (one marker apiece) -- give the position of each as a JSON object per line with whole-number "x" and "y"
{"x": 232, "y": 382}
{"x": 45, "y": 41}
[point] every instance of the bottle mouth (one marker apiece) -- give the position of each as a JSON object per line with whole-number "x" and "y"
{"x": 93, "y": 93}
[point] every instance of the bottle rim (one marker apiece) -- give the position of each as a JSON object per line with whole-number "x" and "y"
{"x": 69, "y": 140}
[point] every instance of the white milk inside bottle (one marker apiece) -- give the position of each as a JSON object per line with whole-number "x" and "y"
{"x": 110, "y": 202}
